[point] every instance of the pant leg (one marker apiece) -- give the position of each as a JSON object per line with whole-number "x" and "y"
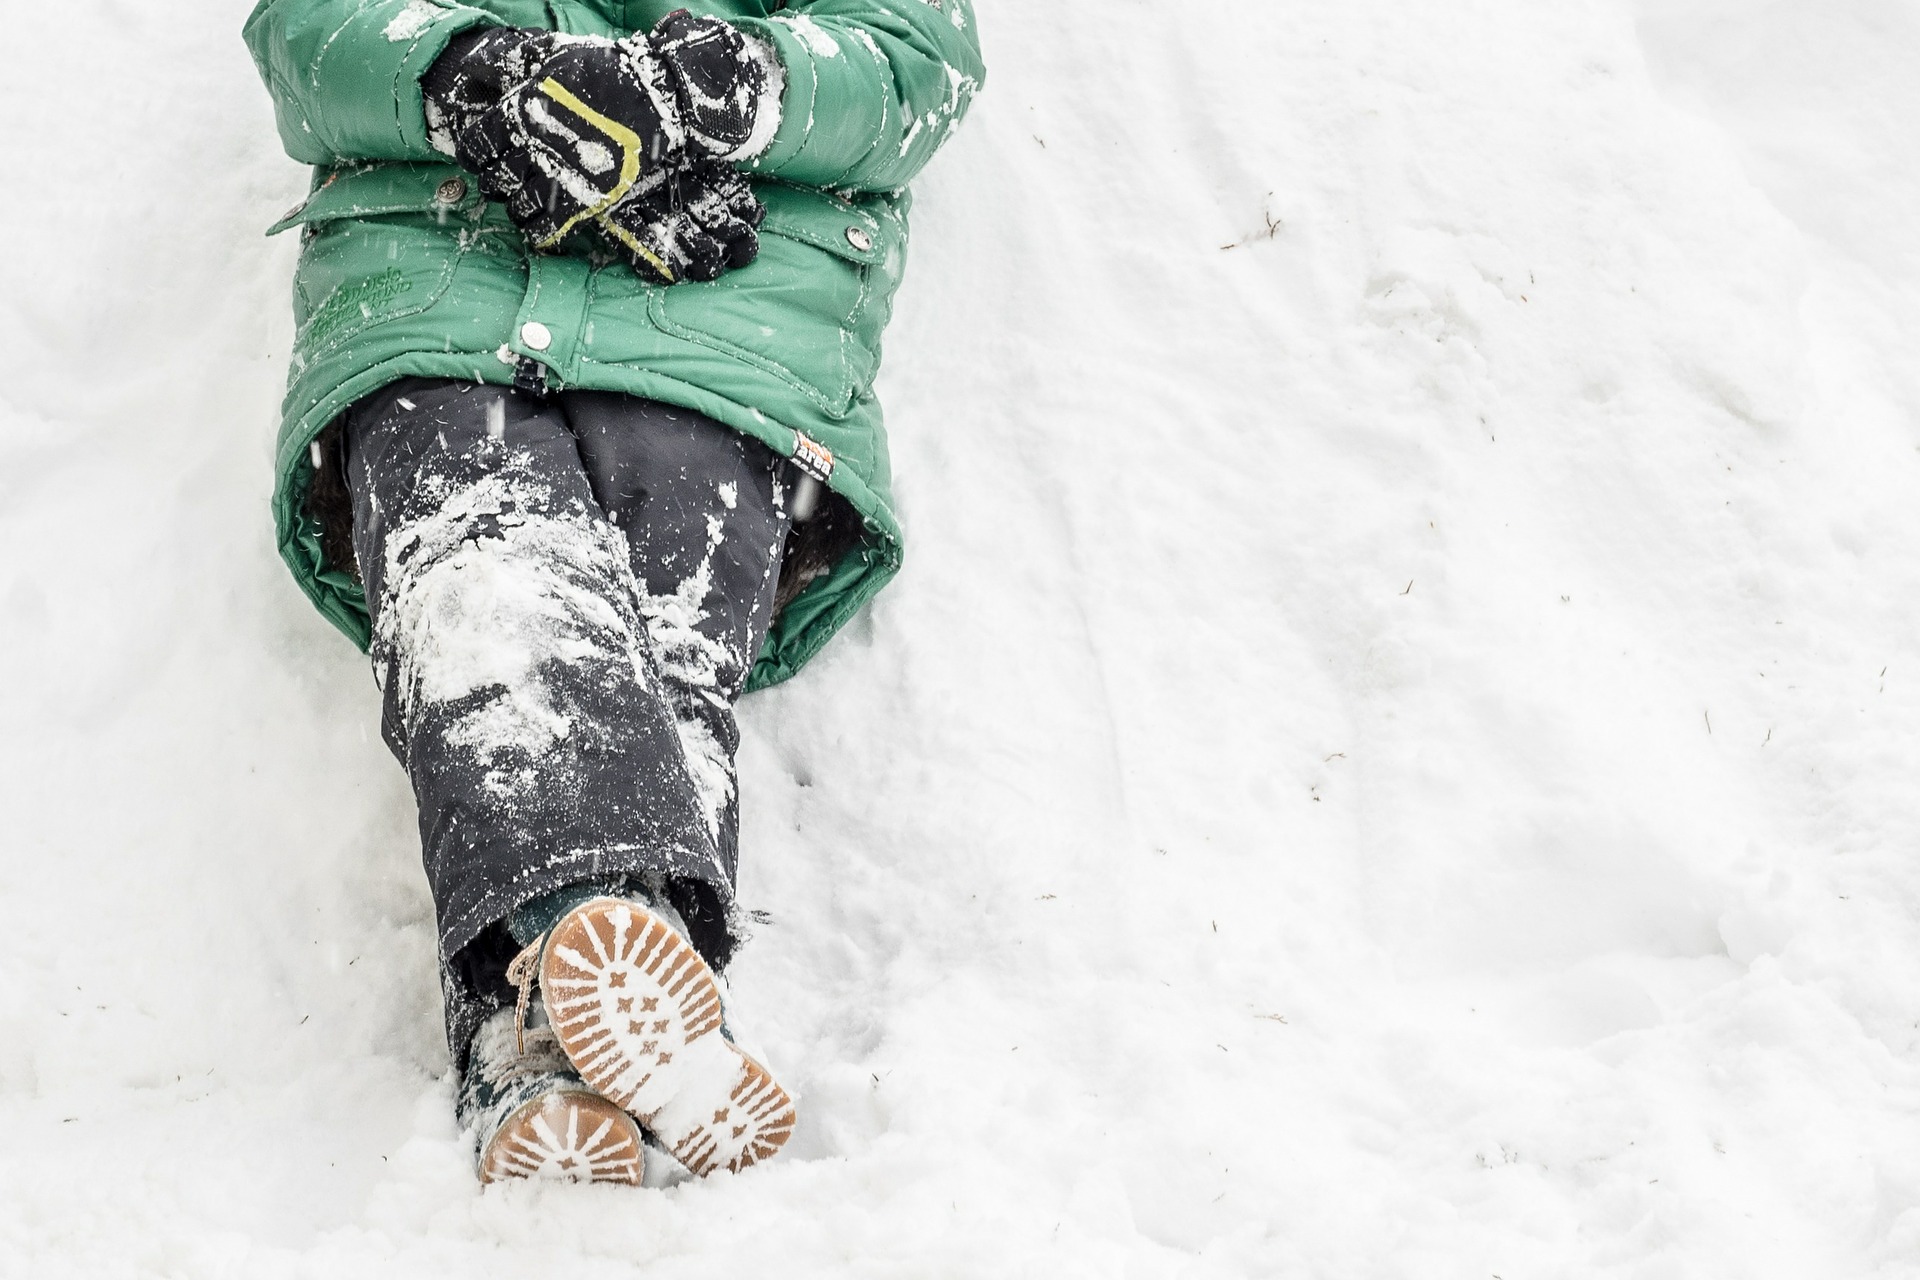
{"x": 704, "y": 512}
{"x": 508, "y": 641}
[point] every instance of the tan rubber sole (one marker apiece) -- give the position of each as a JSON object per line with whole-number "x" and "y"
{"x": 637, "y": 1011}
{"x": 567, "y": 1134}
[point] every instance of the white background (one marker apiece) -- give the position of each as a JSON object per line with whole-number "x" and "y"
{"x": 1394, "y": 753}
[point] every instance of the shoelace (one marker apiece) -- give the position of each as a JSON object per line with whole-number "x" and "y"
{"x": 523, "y": 973}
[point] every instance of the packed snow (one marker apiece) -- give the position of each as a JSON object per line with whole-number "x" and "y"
{"x": 1393, "y": 754}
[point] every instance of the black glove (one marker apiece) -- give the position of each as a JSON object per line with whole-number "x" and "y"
{"x": 478, "y": 67}
{"x": 695, "y": 221}
{"x": 562, "y": 129}
{"x": 726, "y": 84}
{"x": 571, "y": 143}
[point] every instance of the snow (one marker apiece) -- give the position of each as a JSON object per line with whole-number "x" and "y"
{"x": 464, "y": 617}
{"x": 1393, "y": 754}
{"x": 412, "y": 20}
{"x": 695, "y": 665}
{"x": 811, "y": 34}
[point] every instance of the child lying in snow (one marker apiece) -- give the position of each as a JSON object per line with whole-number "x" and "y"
{"x": 580, "y": 442}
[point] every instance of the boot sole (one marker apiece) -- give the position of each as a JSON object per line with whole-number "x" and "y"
{"x": 637, "y": 1011}
{"x": 567, "y": 1134}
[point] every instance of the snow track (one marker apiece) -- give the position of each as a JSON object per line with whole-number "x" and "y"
{"x": 1394, "y": 753}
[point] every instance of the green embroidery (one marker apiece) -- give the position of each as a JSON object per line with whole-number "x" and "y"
{"x": 360, "y": 301}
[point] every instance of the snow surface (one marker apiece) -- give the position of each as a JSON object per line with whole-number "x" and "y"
{"x": 1393, "y": 755}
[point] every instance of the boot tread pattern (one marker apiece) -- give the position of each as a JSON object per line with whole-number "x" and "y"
{"x": 566, "y": 1134}
{"x": 754, "y": 1123}
{"x": 632, "y": 1004}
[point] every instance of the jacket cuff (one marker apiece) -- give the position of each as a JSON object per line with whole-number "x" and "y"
{"x": 800, "y": 46}
{"x": 406, "y": 36}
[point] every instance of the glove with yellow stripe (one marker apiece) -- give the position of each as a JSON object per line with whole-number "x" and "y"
{"x": 595, "y": 119}
{"x": 475, "y": 70}
{"x": 695, "y": 222}
{"x": 564, "y": 130}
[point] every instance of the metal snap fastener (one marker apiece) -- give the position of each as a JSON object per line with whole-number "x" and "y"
{"x": 536, "y": 336}
{"x": 859, "y": 239}
{"x": 452, "y": 191}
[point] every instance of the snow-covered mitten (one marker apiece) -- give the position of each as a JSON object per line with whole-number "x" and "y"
{"x": 697, "y": 221}
{"x": 638, "y": 1014}
{"x": 571, "y": 143}
{"x": 531, "y": 1115}
{"x": 728, "y": 84}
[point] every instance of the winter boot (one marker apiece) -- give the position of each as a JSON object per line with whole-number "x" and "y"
{"x": 533, "y": 1117}
{"x": 638, "y": 1014}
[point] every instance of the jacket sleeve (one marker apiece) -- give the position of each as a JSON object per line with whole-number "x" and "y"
{"x": 873, "y": 88}
{"x": 345, "y": 74}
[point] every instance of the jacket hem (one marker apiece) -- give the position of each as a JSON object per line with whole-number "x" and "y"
{"x": 841, "y": 594}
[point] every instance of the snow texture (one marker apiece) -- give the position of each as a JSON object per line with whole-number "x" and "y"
{"x": 465, "y": 615}
{"x": 412, "y": 20}
{"x": 812, "y": 35}
{"x": 695, "y": 667}
{"x": 1393, "y": 755}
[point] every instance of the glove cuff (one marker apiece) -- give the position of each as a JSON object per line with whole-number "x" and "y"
{"x": 766, "y": 110}
{"x": 477, "y": 68}
{"x": 728, "y": 84}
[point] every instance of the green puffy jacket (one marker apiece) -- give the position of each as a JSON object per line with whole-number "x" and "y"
{"x": 407, "y": 271}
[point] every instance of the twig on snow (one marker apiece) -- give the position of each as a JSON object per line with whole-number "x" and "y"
{"x": 1272, "y": 228}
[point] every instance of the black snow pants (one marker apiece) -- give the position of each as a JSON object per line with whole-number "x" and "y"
{"x": 567, "y": 594}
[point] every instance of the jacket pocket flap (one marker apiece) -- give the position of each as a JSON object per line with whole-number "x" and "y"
{"x": 823, "y": 221}
{"x": 385, "y": 188}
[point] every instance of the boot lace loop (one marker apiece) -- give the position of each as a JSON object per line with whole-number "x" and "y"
{"x": 523, "y": 973}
